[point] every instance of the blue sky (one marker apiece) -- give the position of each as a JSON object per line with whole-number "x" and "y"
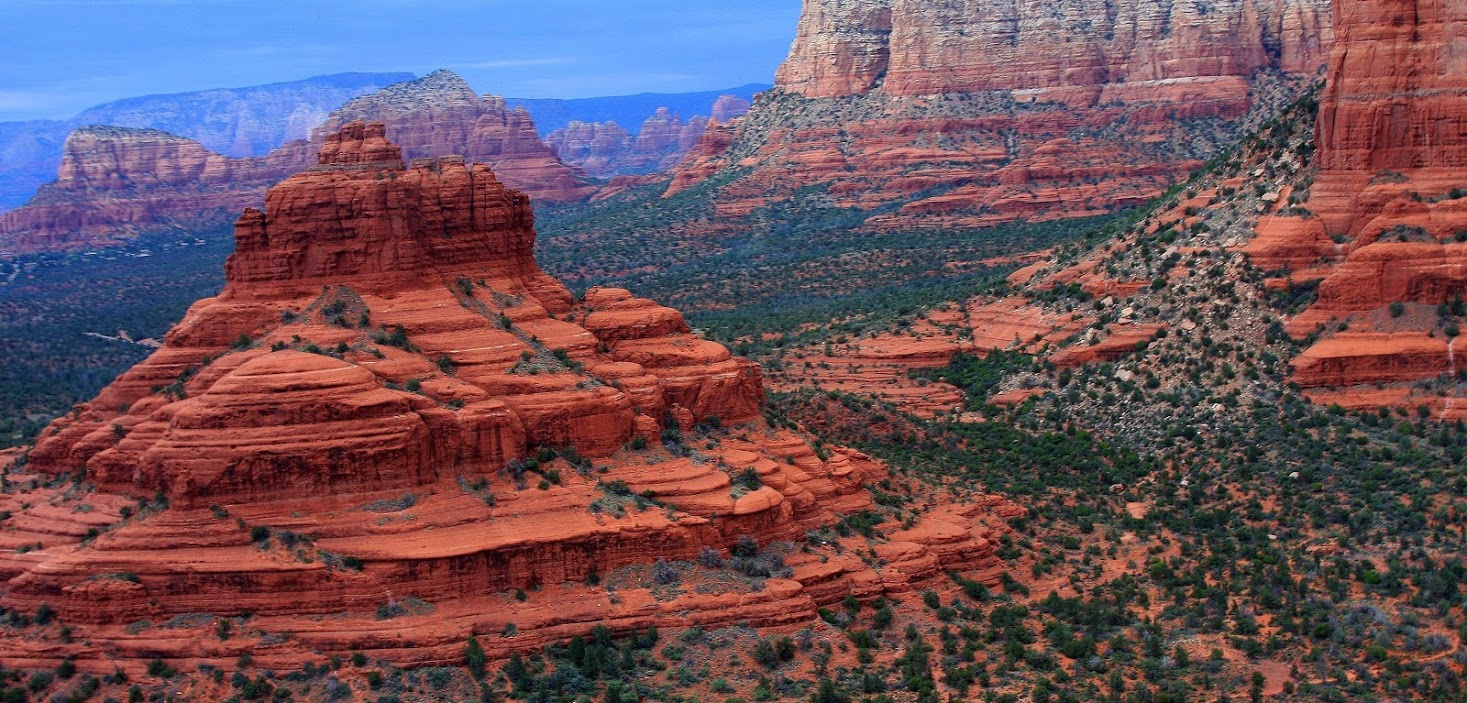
{"x": 58, "y": 57}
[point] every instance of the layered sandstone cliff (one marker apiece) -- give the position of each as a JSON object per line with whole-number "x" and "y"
{"x": 605, "y": 149}
{"x": 1395, "y": 96}
{"x": 972, "y": 113}
{"x": 1076, "y": 51}
{"x": 356, "y": 426}
{"x": 116, "y": 182}
{"x": 601, "y": 149}
{"x": 440, "y": 115}
{"x": 236, "y": 122}
{"x": 1393, "y": 119}
{"x": 1367, "y": 201}
{"x": 1392, "y": 154}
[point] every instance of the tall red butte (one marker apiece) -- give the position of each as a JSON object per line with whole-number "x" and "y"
{"x": 1392, "y": 154}
{"x": 973, "y": 112}
{"x": 338, "y": 445}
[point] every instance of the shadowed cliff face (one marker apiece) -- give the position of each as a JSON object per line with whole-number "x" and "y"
{"x": 385, "y": 374}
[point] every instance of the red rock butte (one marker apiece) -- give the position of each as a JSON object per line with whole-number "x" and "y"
{"x": 1081, "y": 52}
{"x": 980, "y": 113}
{"x": 391, "y": 409}
{"x": 115, "y": 183}
{"x": 1392, "y": 150}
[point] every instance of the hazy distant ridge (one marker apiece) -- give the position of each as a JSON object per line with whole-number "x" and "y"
{"x": 626, "y": 110}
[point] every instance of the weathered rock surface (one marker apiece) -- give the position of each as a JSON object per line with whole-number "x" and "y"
{"x": 842, "y": 47}
{"x": 440, "y": 115}
{"x": 1392, "y": 154}
{"x": 600, "y": 149}
{"x": 240, "y": 122}
{"x": 1077, "y": 51}
{"x": 666, "y": 133}
{"x": 116, "y": 182}
{"x": 352, "y": 426}
{"x": 1359, "y": 358}
{"x": 237, "y": 122}
{"x": 879, "y": 365}
{"x": 606, "y": 149}
{"x": 1395, "y": 95}
{"x": 730, "y": 107}
{"x": 1376, "y": 225}
{"x": 975, "y": 113}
